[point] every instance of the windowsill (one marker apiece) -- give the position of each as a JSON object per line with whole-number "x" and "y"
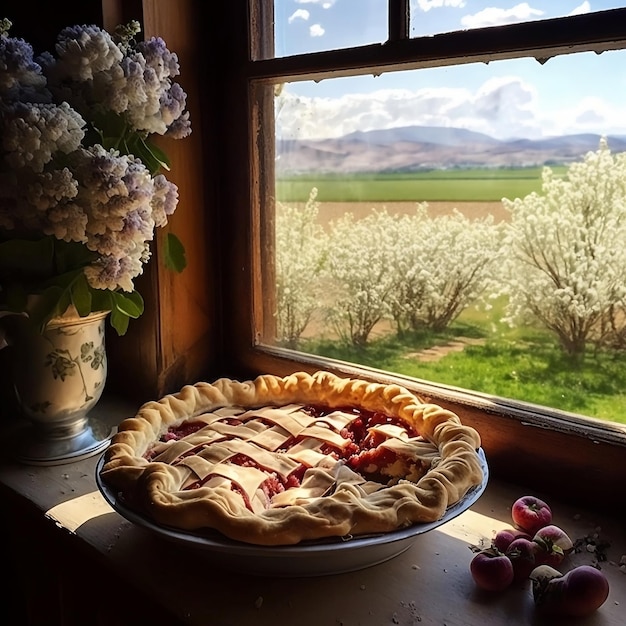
{"x": 76, "y": 552}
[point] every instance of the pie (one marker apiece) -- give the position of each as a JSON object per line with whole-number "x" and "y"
{"x": 279, "y": 461}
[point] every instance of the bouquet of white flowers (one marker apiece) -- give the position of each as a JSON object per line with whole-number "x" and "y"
{"x": 80, "y": 192}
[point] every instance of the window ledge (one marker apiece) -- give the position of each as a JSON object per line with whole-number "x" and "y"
{"x": 71, "y": 552}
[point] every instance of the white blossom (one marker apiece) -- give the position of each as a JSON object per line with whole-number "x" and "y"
{"x": 418, "y": 271}
{"x": 443, "y": 265}
{"x": 361, "y": 269}
{"x": 565, "y": 260}
{"x": 301, "y": 250}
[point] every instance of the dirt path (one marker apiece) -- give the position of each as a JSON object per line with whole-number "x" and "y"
{"x": 438, "y": 352}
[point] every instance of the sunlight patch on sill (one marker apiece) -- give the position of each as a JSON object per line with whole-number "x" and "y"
{"x": 76, "y": 512}
{"x": 473, "y": 528}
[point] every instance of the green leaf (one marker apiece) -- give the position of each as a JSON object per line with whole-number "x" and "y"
{"x": 65, "y": 280}
{"x": 111, "y": 127}
{"x": 158, "y": 154}
{"x": 123, "y": 306}
{"x": 130, "y": 304}
{"x": 175, "y": 258}
{"x": 151, "y": 156}
{"x": 53, "y": 270}
{"x": 48, "y": 304}
{"x": 81, "y": 295}
{"x": 71, "y": 255}
{"x": 119, "y": 321}
{"x": 101, "y": 300}
{"x": 63, "y": 302}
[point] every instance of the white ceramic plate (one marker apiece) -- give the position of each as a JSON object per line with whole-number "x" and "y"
{"x": 304, "y": 559}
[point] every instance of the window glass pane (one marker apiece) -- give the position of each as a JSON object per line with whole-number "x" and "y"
{"x": 396, "y": 250}
{"x": 430, "y": 17}
{"x": 302, "y": 26}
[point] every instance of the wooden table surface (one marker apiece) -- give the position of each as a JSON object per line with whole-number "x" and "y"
{"x": 76, "y": 557}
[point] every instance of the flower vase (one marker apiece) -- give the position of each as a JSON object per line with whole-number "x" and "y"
{"x": 58, "y": 376}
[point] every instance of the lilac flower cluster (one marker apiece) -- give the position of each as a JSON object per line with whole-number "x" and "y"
{"x": 33, "y": 133}
{"x": 52, "y": 181}
{"x": 97, "y": 74}
{"x": 18, "y": 70}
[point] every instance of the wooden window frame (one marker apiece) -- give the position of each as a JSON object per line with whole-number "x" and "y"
{"x": 208, "y": 321}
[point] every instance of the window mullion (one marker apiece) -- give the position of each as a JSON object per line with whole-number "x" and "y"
{"x": 398, "y": 19}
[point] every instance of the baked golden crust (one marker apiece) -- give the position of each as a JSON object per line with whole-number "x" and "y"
{"x": 331, "y": 501}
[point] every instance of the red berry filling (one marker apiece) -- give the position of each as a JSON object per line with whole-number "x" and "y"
{"x": 362, "y": 454}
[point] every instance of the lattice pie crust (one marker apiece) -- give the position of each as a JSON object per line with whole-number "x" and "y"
{"x": 277, "y": 461}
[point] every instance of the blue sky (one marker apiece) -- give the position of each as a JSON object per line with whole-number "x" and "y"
{"x": 520, "y": 98}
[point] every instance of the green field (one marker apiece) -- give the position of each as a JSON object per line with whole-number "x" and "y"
{"x": 458, "y": 185}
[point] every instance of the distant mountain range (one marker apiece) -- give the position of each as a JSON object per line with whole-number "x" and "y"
{"x": 414, "y": 148}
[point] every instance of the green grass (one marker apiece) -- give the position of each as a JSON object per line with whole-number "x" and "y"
{"x": 476, "y": 185}
{"x": 534, "y": 373}
{"x": 520, "y": 364}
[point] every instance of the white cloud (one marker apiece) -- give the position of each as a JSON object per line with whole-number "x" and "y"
{"x": 502, "y": 107}
{"x": 316, "y": 30}
{"x": 493, "y": 16}
{"x": 325, "y": 4}
{"x": 585, "y": 7}
{"x": 427, "y": 5}
{"x": 299, "y": 14}
{"x": 506, "y": 104}
{"x": 589, "y": 115}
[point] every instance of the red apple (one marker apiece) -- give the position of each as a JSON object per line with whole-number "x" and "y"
{"x": 530, "y": 513}
{"x": 505, "y": 536}
{"x": 553, "y": 545}
{"x": 521, "y": 552}
{"x": 491, "y": 570}
{"x": 578, "y": 593}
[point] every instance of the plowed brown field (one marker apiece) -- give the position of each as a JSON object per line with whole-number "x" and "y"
{"x": 329, "y": 211}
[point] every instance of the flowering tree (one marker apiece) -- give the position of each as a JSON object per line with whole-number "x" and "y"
{"x": 442, "y": 265}
{"x": 361, "y": 266}
{"x": 565, "y": 261}
{"x": 422, "y": 272}
{"x": 300, "y": 257}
